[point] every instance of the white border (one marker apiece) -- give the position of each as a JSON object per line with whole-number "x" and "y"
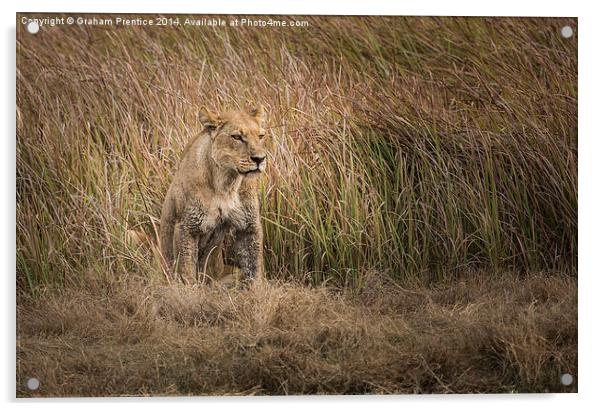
{"x": 589, "y": 196}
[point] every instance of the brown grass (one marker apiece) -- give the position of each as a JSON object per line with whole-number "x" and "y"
{"x": 477, "y": 334}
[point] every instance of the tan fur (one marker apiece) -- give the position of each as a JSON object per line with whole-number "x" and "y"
{"x": 211, "y": 209}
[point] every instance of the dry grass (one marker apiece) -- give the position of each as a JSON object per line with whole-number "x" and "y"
{"x": 412, "y": 146}
{"x": 417, "y": 148}
{"x": 277, "y": 338}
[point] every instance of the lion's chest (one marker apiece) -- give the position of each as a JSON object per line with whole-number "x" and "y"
{"x": 219, "y": 213}
{"x": 226, "y": 210}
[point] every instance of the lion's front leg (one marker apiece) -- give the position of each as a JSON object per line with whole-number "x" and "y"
{"x": 185, "y": 253}
{"x": 247, "y": 251}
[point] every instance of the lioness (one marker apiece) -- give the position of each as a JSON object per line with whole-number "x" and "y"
{"x": 212, "y": 202}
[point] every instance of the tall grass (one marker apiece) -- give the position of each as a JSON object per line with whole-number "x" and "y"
{"x": 413, "y": 146}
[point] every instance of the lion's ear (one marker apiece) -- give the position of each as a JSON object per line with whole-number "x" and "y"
{"x": 208, "y": 119}
{"x": 259, "y": 114}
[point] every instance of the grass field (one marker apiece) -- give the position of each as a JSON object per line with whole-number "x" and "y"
{"x": 419, "y": 208}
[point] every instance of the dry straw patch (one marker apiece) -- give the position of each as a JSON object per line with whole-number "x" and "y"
{"x": 285, "y": 338}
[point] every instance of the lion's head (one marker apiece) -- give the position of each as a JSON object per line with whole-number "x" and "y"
{"x": 237, "y": 139}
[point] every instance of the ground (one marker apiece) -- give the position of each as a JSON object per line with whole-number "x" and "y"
{"x": 505, "y": 333}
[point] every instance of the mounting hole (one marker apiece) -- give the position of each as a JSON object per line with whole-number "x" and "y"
{"x": 566, "y": 379}
{"x": 33, "y": 27}
{"x": 566, "y": 32}
{"x": 33, "y": 384}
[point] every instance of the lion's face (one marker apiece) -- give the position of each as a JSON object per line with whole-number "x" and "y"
{"x": 238, "y": 142}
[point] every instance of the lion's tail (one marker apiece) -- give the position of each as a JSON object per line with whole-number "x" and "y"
{"x": 137, "y": 239}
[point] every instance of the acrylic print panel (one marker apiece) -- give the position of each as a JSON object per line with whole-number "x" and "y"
{"x": 272, "y": 205}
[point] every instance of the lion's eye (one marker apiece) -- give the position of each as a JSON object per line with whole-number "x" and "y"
{"x": 236, "y": 136}
{"x": 262, "y": 135}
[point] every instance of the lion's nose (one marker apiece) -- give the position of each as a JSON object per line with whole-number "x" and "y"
{"x": 258, "y": 159}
